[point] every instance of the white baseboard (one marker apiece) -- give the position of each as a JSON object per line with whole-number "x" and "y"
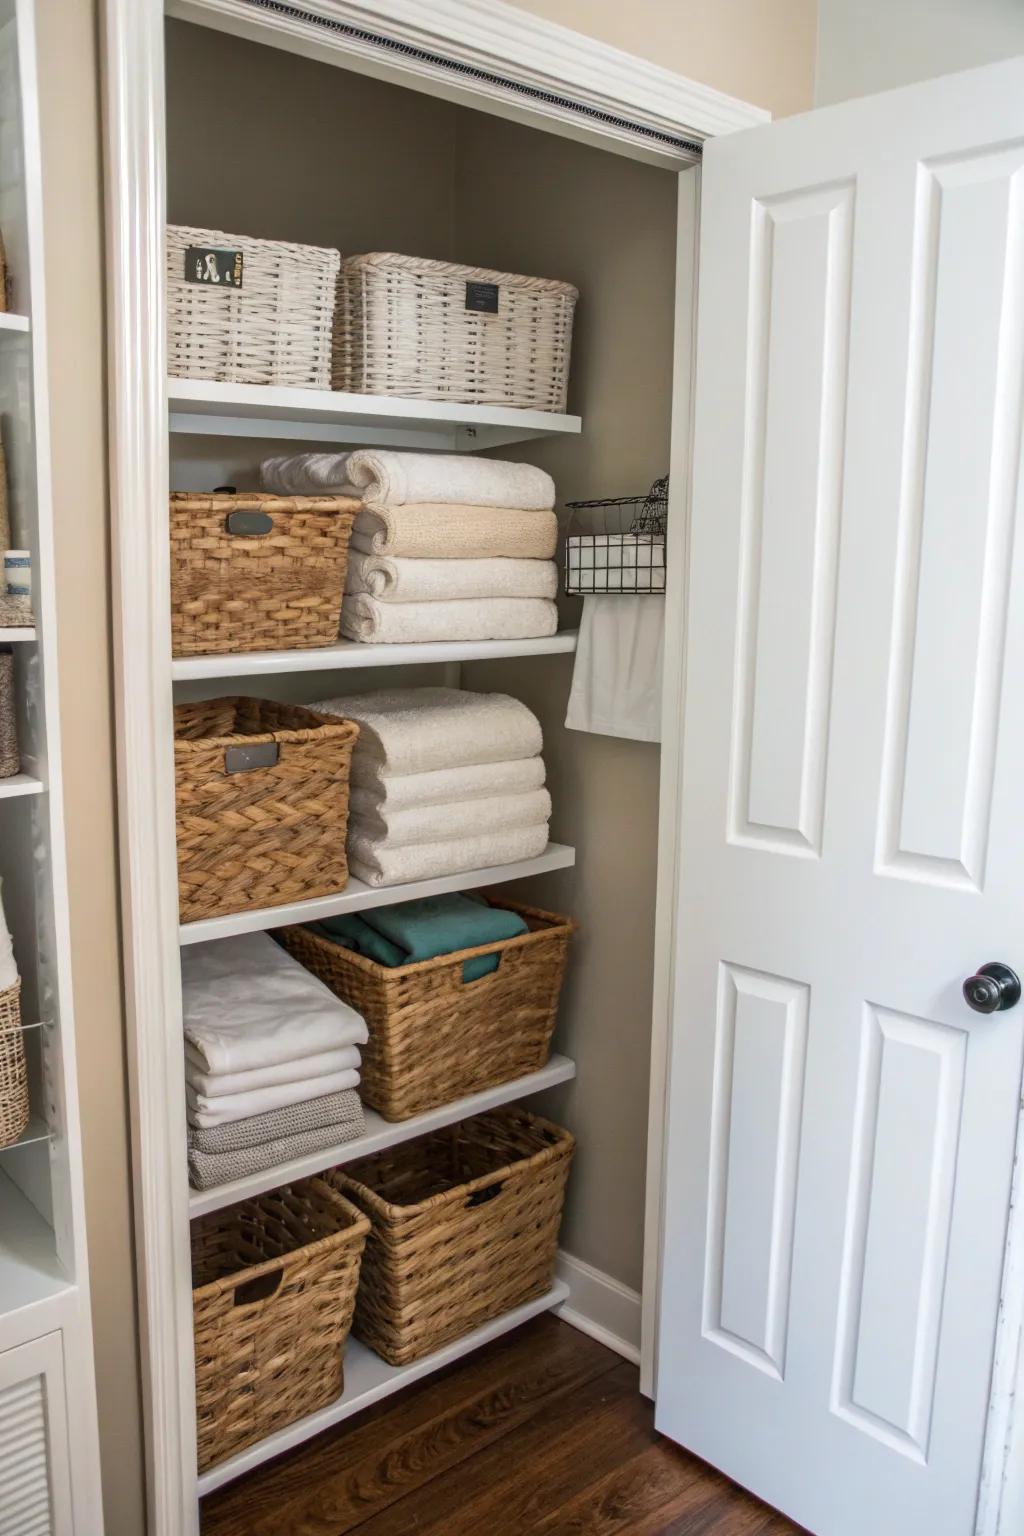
{"x": 602, "y": 1307}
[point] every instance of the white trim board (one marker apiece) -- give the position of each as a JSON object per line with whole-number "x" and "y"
{"x": 600, "y": 1306}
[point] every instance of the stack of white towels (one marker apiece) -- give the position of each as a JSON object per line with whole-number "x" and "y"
{"x": 445, "y": 547}
{"x": 443, "y": 781}
{"x": 271, "y": 1060}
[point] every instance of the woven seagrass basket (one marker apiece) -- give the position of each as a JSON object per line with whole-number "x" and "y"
{"x": 13, "y": 1075}
{"x": 274, "y": 1284}
{"x": 271, "y": 327}
{"x": 434, "y": 330}
{"x": 10, "y": 758}
{"x": 252, "y": 572}
{"x": 463, "y": 1227}
{"x": 434, "y": 1037}
{"x": 261, "y": 792}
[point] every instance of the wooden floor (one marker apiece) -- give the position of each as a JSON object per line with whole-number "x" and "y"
{"x": 543, "y": 1432}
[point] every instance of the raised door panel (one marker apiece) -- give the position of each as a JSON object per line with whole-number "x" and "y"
{"x": 35, "y": 1486}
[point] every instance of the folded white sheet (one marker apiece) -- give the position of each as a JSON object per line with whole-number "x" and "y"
{"x": 397, "y": 580}
{"x": 435, "y": 530}
{"x": 367, "y": 619}
{"x": 216, "y": 1084}
{"x": 8, "y": 968}
{"x": 415, "y": 730}
{"x": 248, "y": 1004}
{"x": 207, "y": 1109}
{"x": 436, "y": 823}
{"x": 307, "y": 474}
{"x": 426, "y": 861}
{"x": 372, "y": 792}
{"x": 387, "y": 477}
{"x": 615, "y": 562}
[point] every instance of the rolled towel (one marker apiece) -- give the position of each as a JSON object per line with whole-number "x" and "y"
{"x": 210, "y": 1109}
{"x": 416, "y": 581}
{"x": 208, "y": 1170}
{"x": 443, "y": 531}
{"x": 416, "y": 730}
{"x": 436, "y": 823}
{"x": 368, "y": 620}
{"x": 248, "y": 1004}
{"x": 328, "y": 1110}
{"x": 307, "y": 474}
{"x": 389, "y": 478}
{"x": 427, "y": 861}
{"x": 214, "y": 1085}
{"x": 372, "y": 792}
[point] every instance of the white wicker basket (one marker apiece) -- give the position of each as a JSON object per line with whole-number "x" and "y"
{"x": 273, "y": 329}
{"x": 427, "y": 330}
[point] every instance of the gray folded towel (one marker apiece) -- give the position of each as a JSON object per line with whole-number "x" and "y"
{"x": 207, "y": 1170}
{"x": 332, "y": 1110}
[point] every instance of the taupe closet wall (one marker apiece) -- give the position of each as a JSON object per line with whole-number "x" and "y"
{"x": 309, "y": 152}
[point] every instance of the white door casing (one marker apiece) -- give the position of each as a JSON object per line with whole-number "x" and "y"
{"x": 841, "y": 1125}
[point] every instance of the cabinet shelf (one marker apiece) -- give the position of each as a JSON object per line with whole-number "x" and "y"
{"x": 381, "y": 1133}
{"x": 368, "y": 1379}
{"x": 12, "y": 324}
{"x": 13, "y": 636}
{"x": 349, "y": 653}
{"x": 20, "y": 784}
{"x": 357, "y": 897}
{"x": 210, "y": 408}
{"x": 29, "y": 1268}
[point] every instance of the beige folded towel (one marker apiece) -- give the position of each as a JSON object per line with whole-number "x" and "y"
{"x": 427, "y": 861}
{"x": 386, "y": 828}
{"x": 463, "y": 531}
{"x": 390, "y": 478}
{"x": 368, "y": 619}
{"x": 415, "y": 730}
{"x": 373, "y": 792}
{"x": 395, "y": 580}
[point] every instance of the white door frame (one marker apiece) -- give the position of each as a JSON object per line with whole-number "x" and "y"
{"x": 513, "y": 64}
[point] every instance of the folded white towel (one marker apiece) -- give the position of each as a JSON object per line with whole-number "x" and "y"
{"x": 372, "y": 792}
{"x": 248, "y": 1004}
{"x": 307, "y": 474}
{"x": 8, "y": 968}
{"x": 209, "y": 1109}
{"x": 434, "y": 530}
{"x": 217, "y": 1084}
{"x": 417, "y": 581}
{"x": 436, "y": 823}
{"x": 615, "y": 562}
{"x": 389, "y": 478}
{"x": 368, "y": 620}
{"x": 426, "y": 861}
{"x": 415, "y": 730}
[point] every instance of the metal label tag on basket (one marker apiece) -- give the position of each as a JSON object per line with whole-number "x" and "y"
{"x": 262, "y": 754}
{"x": 483, "y": 297}
{"x": 216, "y": 268}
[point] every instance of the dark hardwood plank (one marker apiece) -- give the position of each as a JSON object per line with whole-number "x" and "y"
{"x": 346, "y": 1474}
{"x": 637, "y": 1497}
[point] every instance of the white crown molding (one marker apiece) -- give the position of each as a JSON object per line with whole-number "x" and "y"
{"x": 508, "y": 42}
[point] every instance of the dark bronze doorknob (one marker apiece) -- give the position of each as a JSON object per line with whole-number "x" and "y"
{"x": 994, "y": 988}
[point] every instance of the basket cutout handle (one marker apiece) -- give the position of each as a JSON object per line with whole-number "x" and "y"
{"x": 482, "y": 1196}
{"x": 249, "y": 525}
{"x": 262, "y": 754}
{"x": 478, "y": 981}
{"x": 260, "y": 1289}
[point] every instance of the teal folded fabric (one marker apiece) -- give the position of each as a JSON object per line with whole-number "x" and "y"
{"x": 426, "y": 928}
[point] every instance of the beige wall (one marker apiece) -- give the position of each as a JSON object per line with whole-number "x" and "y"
{"x": 759, "y": 50}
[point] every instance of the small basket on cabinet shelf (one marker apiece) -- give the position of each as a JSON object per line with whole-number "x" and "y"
{"x": 616, "y": 545}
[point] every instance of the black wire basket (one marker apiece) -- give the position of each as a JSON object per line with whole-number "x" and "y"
{"x": 617, "y": 545}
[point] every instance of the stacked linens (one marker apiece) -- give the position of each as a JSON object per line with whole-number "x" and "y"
{"x": 271, "y": 1059}
{"x": 443, "y": 781}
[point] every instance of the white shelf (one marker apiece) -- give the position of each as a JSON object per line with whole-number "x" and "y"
{"x": 349, "y": 653}
{"x": 20, "y": 784}
{"x": 357, "y": 897}
{"x": 312, "y": 415}
{"x": 12, "y": 636}
{"x": 9, "y": 322}
{"x": 367, "y": 1380}
{"x": 36, "y": 1130}
{"x": 381, "y": 1133}
{"x": 29, "y": 1269}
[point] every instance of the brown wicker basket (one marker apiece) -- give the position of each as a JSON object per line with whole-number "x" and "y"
{"x": 434, "y": 1037}
{"x": 274, "y": 1284}
{"x": 262, "y": 804}
{"x": 251, "y": 572}
{"x": 10, "y": 758}
{"x": 13, "y": 1076}
{"x": 464, "y": 1227}
{"x": 435, "y": 330}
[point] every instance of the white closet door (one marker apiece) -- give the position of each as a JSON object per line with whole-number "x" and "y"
{"x": 841, "y": 1123}
{"x": 35, "y": 1480}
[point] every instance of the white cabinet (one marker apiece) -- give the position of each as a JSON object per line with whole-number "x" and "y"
{"x": 35, "y": 1489}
